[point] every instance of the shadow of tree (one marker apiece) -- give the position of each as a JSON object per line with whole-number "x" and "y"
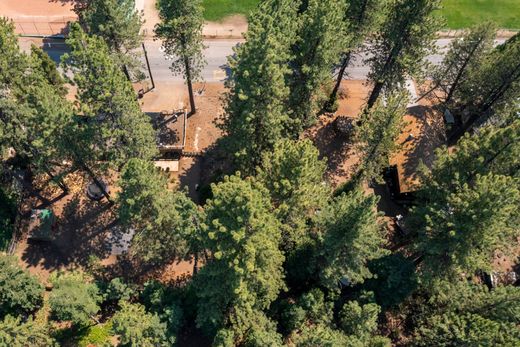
{"x": 335, "y": 148}
{"x": 432, "y": 135}
{"x": 81, "y": 232}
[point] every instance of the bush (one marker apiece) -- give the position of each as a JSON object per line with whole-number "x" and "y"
{"x": 20, "y": 292}
{"x": 97, "y": 335}
{"x": 73, "y": 298}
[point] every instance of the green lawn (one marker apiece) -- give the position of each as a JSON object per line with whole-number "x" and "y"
{"x": 215, "y": 10}
{"x": 464, "y": 13}
{"x": 459, "y": 13}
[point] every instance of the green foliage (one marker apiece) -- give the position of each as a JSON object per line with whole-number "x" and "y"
{"x": 166, "y": 222}
{"x": 114, "y": 129}
{"x": 294, "y": 176}
{"x": 47, "y": 68}
{"x": 243, "y": 272}
{"x": 136, "y": 327}
{"x": 181, "y": 33}
{"x": 9, "y": 199}
{"x": 399, "y": 47}
{"x": 257, "y": 115}
{"x": 16, "y": 333}
{"x": 394, "y": 279}
{"x": 119, "y": 24}
{"x": 34, "y": 113}
{"x": 97, "y": 335}
{"x": 317, "y": 309}
{"x": 351, "y": 236}
{"x": 469, "y": 203}
{"x": 463, "y": 58}
{"x": 378, "y": 134}
{"x": 166, "y": 303}
{"x": 492, "y": 85}
{"x": 116, "y": 290}
{"x": 321, "y": 38}
{"x": 462, "y": 231}
{"x": 20, "y": 292}
{"x": 467, "y": 314}
{"x": 323, "y": 336}
{"x": 359, "y": 320}
{"x": 74, "y": 298}
{"x": 180, "y": 30}
{"x": 363, "y": 19}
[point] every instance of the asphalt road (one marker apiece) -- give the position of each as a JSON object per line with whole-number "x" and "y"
{"x": 216, "y": 54}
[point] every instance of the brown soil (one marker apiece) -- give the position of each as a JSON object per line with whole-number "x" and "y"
{"x": 339, "y": 151}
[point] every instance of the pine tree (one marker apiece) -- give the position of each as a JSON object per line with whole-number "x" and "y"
{"x": 351, "y": 236}
{"x": 119, "y": 24}
{"x": 47, "y": 68}
{"x": 465, "y": 314}
{"x": 33, "y": 111}
{"x": 316, "y": 52}
{"x": 257, "y": 114}
{"x": 466, "y": 204}
{"x": 494, "y": 86}
{"x": 166, "y": 222}
{"x": 111, "y": 128}
{"x": 404, "y": 40}
{"x": 294, "y": 176}
{"x": 136, "y": 327}
{"x": 15, "y": 333}
{"x": 20, "y": 292}
{"x": 243, "y": 273}
{"x": 180, "y": 30}
{"x": 377, "y": 134}
{"x": 464, "y": 56}
{"x": 461, "y": 229}
{"x": 74, "y": 298}
{"x": 363, "y": 18}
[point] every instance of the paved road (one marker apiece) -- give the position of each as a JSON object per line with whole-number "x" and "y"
{"x": 216, "y": 55}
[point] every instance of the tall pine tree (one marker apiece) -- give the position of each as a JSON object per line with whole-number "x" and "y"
{"x": 119, "y": 24}
{"x": 180, "y": 30}
{"x": 363, "y": 18}
{"x": 257, "y": 114}
{"x": 404, "y": 40}
{"x": 243, "y": 273}
{"x": 111, "y": 127}
{"x": 317, "y": 51}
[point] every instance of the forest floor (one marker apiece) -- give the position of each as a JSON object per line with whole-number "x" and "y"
{"x": 86, "y": 229}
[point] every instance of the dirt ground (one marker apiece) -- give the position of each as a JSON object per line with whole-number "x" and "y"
{"x": 84, "y": 227}
{"x": 38, "y": 17}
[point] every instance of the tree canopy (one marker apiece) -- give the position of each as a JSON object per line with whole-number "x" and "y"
{"x": 243, "y": 273}
{"x": 20, "y": 292}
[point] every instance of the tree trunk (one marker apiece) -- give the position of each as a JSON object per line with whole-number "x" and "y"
{"x": 60, "y": 182}
{"x": 344, "y": 65}
{"x": 127, "y": 74}
{"x": 378, "y": 87}
{"x": 96, "y": 182}
{"x": 190, "y": 86}
{"x": 461, "y": 72}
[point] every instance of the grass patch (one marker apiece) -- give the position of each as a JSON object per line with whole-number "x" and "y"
{"x": 458, "y": 13}
{"x": 216, "y": 10}
{"x": 465, "y": 13}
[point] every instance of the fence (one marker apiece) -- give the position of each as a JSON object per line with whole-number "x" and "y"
{"x": 42, "y": 25}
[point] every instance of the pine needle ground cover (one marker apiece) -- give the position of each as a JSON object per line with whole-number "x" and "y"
{"x": 458, "y": 13}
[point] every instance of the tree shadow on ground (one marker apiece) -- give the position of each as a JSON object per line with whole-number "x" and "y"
{"x": 81, "y": 232}
{"x": 429, "y": 122}
{"x": 336, "y": 148}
